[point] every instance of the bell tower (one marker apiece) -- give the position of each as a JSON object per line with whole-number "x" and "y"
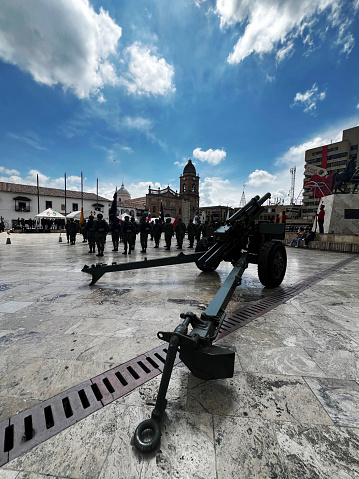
{"x": 189, "y": 188}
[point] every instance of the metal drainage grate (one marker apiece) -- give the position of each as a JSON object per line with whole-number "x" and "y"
{"x": 33, "y": 426}
{"x": 254, "y": 310}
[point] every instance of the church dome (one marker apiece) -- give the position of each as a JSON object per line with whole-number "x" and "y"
{"x": 123, "y": 194}
{"x": 189, "y": 169}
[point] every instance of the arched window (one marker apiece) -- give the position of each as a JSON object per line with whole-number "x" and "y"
{"x": 184, "y": 186}
{"x": 194, "y": 187}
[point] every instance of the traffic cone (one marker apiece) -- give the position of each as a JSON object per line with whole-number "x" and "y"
{"x": 60, "y": 239}
{"x": 8, "y": 240}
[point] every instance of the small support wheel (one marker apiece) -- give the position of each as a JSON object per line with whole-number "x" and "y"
{"x": 147, "y": 436}
{"x": 272, "y": 264}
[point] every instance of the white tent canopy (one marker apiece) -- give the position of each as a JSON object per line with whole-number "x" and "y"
{"x": 49, "y": 213}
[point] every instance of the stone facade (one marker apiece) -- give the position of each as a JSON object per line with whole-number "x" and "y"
{"x": 184, "y": 203}
{"x": 341, "y": 214}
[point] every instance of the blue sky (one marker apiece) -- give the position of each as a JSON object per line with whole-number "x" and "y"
{"x": 126, "y": 91}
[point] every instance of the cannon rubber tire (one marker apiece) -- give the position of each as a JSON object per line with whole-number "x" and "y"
{"x": 272, "y": 264}
{"x": 147, "y": 446}
{"x": 202, "y": 245}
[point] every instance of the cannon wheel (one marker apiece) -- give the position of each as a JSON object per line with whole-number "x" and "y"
{"x": 272, "y": 264}
{"x": 203, "y": 245}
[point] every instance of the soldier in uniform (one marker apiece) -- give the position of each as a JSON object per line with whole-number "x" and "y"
{"x": 101, "y": 230}
{"x": 157, "y": 231}
{"x": 83, "y": 231}
{"x": 168, "y": 233}
{"x": 72, "y": 230}
{"x": 191, "y": 232}
{"x": 145, "y": 230}
{"x": 128, "y": 231}
{"x": 67, "y": 228}
{"x": 180, "y": 232}
{"x": 115, "y": 233}
{"x": 90, "y": 230}
{"x": 136, "y": 230}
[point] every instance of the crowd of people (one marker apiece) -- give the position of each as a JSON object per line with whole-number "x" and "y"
{"x": 94, "y": 231}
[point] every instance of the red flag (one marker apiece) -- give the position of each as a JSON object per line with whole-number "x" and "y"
{"x": 175, "y": 221}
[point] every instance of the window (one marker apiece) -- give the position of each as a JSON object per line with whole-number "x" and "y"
{"x": 48, "y": 204}
{"x": 75, "y": 206}
{"x": 352, "y": 214}
{"x": 62, "y": 207}
{"x": 194, "y": 187}
{"x": 354, "y": 147}
{"x": 335, "y": 148}
{"x": 153, "y": 209}
{"x": 184, "y": 187}
{"x": 22, "y": 203}
{"x": 337, "y": 155}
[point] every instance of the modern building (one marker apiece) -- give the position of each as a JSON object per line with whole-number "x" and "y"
{"x": 184, "y": 203}
{"x": 26, "y": 201}
{"x": 320, "y": 164}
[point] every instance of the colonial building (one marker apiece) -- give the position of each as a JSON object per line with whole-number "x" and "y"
{"x": 184, "y": 203}
{"x": 321, "y": 163}
{"x": 25, "y": 202}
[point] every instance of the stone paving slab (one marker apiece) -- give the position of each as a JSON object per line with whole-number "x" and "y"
{"x": 290, "y": 411}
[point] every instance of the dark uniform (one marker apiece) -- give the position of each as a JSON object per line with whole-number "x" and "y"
{"x": 180, "y": 232}
{"x": 136, "y": 230}
{"x": 115, "y": 233}
{"x": 168, "y": 233}
{"x": 72, "y": 230}
{"x": 90, "y": 230}
{"x": 145, "y": 230}
{"x": 191, "y": 232}
{"x": 101, "y": 230}
{"x": 83, "y": 231}
{"x": 157, "y": 231}
{"x": 128, "y": 231}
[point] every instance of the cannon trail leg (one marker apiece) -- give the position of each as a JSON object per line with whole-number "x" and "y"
{"x": 148, "y": 434}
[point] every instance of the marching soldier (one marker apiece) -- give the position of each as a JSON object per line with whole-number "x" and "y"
{"x": 83, "y": 231}
{"x": 101, "y": 230}
{"x": 115, "y": 233}
{"x": 90, "y": 230}
{"x": 136, "y": 230}
{"x": 128, "y": 231}
{"x": 144, "y": 232}
{"x": 157, "y": 231}
{"x": 191, "y": 232}
{"x": 180, "y": 232}
{"x": 72, "y": 230}
{"x": 168, "y": 233}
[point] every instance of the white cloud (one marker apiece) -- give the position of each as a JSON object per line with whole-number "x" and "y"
{"x": 260, "y": 177}
{"x": 213, "y": 157}
{"x": 6, "y": 171}
{"x": 60, "y": 42}
{"x": 309, "y": 99}
{"x": 147, "y": 74}
{"x": 30, "y": 138}
{"x": 272, "y": 26}
{"x": 137, "y": 123}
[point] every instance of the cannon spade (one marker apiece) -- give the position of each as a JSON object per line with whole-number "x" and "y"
{"x": 240, "y": 241}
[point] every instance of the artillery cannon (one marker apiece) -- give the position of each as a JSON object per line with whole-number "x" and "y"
{"x": 241, "y": 241}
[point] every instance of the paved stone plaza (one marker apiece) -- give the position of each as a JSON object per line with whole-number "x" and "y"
{"x": 290, "y": 411}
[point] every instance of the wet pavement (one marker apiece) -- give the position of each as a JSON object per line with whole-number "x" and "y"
{"x": 291, "y": 409}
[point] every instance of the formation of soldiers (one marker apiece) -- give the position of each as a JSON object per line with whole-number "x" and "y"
{"x": 95, "y": 231}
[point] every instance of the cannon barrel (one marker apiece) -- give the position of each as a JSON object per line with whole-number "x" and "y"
{"x": 251, "y": 207}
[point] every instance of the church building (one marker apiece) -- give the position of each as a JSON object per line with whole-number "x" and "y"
{"x": 184, "y": 203}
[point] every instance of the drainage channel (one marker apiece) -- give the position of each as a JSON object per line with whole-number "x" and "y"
{"x": 31, "y": 427}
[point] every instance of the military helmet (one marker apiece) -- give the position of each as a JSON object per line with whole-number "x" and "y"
{"x": 168, "y": 220}
{"x": 91, "y": 217}
{"x": 100, "y": 216}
